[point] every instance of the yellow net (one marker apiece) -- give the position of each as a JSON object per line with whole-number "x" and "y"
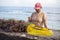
{"x": 37, "y": 31}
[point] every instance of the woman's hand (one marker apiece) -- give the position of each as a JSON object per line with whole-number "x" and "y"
{"x": 29, "y": 19}
{"x": 47, "y": 28}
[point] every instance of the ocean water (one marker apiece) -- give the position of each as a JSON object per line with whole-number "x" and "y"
{"x": 22, "y": 13}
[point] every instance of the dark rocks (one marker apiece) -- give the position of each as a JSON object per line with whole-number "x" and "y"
{"x": 6, "y": 37}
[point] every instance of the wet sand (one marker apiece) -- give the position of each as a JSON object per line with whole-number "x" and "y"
{"x": 25, "y": 36}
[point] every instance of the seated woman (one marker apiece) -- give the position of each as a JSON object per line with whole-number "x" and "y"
{"x": 38, "y": 17}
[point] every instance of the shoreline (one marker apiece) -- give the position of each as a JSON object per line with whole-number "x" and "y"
{"x": 11, "y": 30}
{"x": 56, "y": 35}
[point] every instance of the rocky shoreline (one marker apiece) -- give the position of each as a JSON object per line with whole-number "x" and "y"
{"x": 25, "y": 36}
{"x": 16, "y": 30}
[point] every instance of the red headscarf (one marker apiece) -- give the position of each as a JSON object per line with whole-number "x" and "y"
{"x": 38, "y": 6}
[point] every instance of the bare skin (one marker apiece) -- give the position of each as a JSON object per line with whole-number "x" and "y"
{"x": 39, "y": 18}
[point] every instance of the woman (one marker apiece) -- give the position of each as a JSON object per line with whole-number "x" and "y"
{"x": 39, "y": 18}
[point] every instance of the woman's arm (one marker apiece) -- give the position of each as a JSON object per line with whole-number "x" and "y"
{"x": 30, "y": 18}
{"x": 45, "y": 20}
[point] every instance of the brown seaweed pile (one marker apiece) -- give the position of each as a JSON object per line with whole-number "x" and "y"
{"x": 12, "y": 25}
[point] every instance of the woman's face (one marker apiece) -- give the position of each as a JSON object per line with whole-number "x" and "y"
{"x": 37, "y": 10}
